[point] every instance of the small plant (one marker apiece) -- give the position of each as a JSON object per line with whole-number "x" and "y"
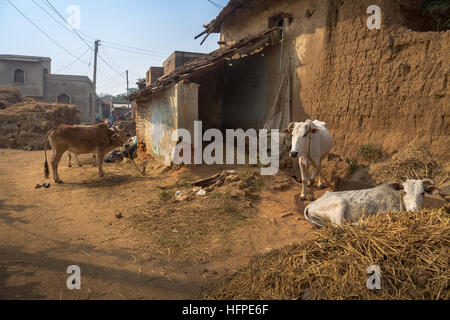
{"x": 369, "y": 151}
{"x": 352, "y": 163}
{"x": 165, "y": 196}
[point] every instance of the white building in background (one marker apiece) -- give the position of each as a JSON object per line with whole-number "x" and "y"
{"x": 33, "y": 77}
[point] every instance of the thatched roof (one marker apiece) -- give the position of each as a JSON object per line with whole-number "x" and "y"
{"x": 247, "y": 46}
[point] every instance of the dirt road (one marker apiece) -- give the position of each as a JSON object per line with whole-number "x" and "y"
{"x": 43, "y": 231}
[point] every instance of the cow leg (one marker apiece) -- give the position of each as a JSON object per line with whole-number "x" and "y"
{"x": 69, "y": 156}
{"x": 78, "y": 160}
{"x": 311, "y": 184}
{"x": 304, "y": 180}
{"x": 100, "y": 156}
{"x": 94, "y": 158}
{"x": 56, "y": 157}
{"x": 315, "y": 173}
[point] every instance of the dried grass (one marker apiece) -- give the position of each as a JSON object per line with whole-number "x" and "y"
{"x": 190, "y": 230}
{"x": 411, "y": 249}
{"x": 410, "y": 163}
{"x": 23, "y": 125}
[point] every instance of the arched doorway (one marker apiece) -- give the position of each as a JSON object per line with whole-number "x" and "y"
{"x": 19, "y": 76}
{"x": 63, "y": 98}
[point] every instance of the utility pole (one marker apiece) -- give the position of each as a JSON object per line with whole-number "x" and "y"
{"x": 128, "y": 92}
{"x": 95, "y": 73}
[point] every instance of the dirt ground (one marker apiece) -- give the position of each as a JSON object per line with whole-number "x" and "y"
{"x": 43, "y": 231}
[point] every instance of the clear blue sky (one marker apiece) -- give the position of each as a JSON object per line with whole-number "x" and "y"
{"x": 158, "y": 25}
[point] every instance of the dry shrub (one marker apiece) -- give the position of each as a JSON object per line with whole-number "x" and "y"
{"x": 411, "y": 249}
{"x": 410, "y": 163}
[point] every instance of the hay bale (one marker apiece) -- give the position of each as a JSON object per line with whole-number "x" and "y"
{"x": 411, "y": 249}
{"x": 24, "y": 125}
{"x": 9, "y": 96}
{"x": 410, "y": 163}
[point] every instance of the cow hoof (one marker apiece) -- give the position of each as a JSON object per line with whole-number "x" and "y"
{"x": 321, "y": 187}
{"x": 302, "y": 198}
{"x": 70, "y": 166}
{"x": 311, "y": 198}
{"x": 59, "y": 181}
{"x": 80, "y": 165}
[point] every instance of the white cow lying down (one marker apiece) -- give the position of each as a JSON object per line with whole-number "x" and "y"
{"x": 335, "y": 207}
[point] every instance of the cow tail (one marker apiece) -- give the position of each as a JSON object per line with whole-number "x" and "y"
{"x": 46, "y": 170}
{"x": 306, "y": 213}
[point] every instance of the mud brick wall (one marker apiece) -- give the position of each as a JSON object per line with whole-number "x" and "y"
{"x": 143, "y": 112}
{"x": 388, "y": 87}
{"x": 153, "y": 74}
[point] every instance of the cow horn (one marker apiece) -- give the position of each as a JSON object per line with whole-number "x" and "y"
{"x": 291, "y": 126}
{"x": 427, "y": 181}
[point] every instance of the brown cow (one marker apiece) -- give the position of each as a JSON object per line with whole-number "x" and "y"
{"x": 97, "y": 139}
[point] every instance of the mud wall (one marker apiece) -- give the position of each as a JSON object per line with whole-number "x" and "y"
{"x": 162, "y": 114}
{"x": 387, "y": 87}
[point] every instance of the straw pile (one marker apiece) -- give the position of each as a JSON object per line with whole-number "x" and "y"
{"x": 24, "y": 122}
{"x": 410, "y": 163}
{"x": 411, "y": 250}
{"x": 9, "y": 96}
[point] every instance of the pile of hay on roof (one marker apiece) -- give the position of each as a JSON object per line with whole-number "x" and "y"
{"x": 24, "y": 121}
{"x": 411, "y": 250}
{"x": 410, "y": 163}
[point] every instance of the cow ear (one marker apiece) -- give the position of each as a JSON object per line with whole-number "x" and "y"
{"x": 432, "y": 190}
{"x": 396, "y": 186}
{"x": 286, "y": 131}
{"x": 314, "y": 130}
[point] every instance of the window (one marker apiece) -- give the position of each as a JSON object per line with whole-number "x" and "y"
{"x": 19, "y": 76}
{"x": 63, "y": 98}
{"x": 280, "y": 20}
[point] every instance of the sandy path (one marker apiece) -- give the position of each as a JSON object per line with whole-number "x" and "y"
{"x": 43, "y": 231}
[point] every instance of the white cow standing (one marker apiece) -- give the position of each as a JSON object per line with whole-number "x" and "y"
{"x": 311, "y": 140}
{"x": 335, "y": 207}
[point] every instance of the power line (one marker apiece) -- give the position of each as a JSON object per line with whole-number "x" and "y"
{"x": 49, "y": 4}
{"x": 46, "y": 34}
{"x": 78, "y": 35}
{"x": 136, "y": 52}
{"x": 72, "y": 63}
{"x": 215, "y": 4}
{"x": 89, "y": 66}
{"x": 135, "y": 48}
